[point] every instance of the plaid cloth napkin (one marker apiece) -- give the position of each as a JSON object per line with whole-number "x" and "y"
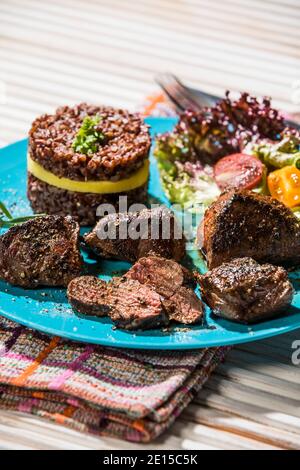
{"x": 132, "y": 395}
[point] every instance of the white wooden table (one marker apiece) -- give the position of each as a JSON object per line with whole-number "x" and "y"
{"x": 107, "y": 51}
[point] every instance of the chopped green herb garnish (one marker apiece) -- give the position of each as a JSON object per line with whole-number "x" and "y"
{"x": 88, "y": 138}
{"x": 10, "y": 221}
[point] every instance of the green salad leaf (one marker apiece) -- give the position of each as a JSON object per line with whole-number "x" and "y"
{"x": 185, "y": 182}
{"x": 186, "y": 154}
{"x": 279, "y": 154}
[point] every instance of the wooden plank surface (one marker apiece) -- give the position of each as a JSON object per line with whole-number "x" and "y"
{"x": 107, "y": 51}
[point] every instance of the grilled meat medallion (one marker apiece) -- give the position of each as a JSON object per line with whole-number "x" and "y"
{"x": 244, "y": 223}
{"x": 153, "y": 292}
{"x": 166, "y": 276}
{"x": 41, "y": 252}
{"x": 245, "y": 291}
{"x": 88, "y": 295}
{"x": 132, "y": 237}
{"x": 129, "y": 304}
{"x": 135, "y": 306}
{"x": 174, "y": 283}
{"x": 184, "y": 306}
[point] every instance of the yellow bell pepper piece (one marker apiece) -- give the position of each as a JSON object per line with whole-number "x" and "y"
{"x": 284, "y": 185}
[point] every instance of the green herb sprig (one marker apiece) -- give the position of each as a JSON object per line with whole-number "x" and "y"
{"x": 8, "y": 221}
{"x": 88, "y": 138}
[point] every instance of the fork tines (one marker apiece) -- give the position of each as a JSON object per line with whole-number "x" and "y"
{"x": 181, "y": 96}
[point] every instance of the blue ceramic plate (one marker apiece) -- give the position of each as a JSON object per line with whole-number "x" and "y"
{"x": 48, "y": 310}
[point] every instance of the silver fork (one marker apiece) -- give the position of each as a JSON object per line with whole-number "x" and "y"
{"x": 182, "y": 97}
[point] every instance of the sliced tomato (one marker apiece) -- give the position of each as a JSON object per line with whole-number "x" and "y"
{"x": 238, "y": 171}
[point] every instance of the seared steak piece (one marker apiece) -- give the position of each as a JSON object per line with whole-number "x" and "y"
{"x": 115, "y": 246}
{"x": 184, "y": 306}
{"x": 88, "y": 295}
{"x": 135, "y": 306}
{"x": 42, "y": 251}
{"x": 130, "y": 304}
{"x": 243, "y": 223}
{"x": 153, "y": 292}
{"x": 245, "y": 291}
{"x": 166, "y": 276}
{"x": 128, "y": 236}
{"x": 173, "y": 283}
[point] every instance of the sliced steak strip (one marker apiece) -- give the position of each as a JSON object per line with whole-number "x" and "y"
{"x": 154, "y": 291}
{"x": 165, "y": 276}
{"x": 135, "y": 306}
{"x": 244, "y": 223}
{"x": 173, "y": 283}
{"x": 184, "y": 306}
{"x": 245, "y": 291}
{"x": 128, "y": 236}
{"x": 88, "y": 295}
{"x": 41, "y": 252}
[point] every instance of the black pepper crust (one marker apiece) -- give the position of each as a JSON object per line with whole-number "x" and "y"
{"x": 243, "y": 223}
{"x": 48, "y": 199}
{"x": 133, "y": 248}
{"x": 245, "y": 291}
{"x": 41, "y": 252}
{"x": 127, "y": 143}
